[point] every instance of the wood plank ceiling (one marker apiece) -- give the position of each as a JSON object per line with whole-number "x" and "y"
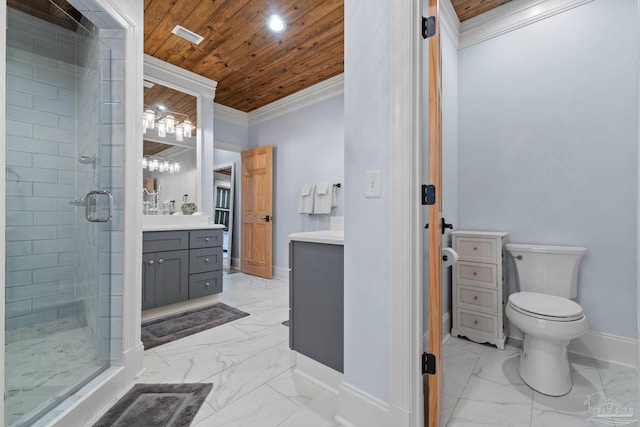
{"x": 252, "y": 65}
{"x": 467, "y": 9}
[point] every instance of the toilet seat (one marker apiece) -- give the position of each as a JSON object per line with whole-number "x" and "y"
{"x": 546, "y": 307}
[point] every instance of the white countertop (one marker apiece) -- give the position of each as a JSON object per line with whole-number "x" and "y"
{"x": 330, "y": 237}
{"x": 177, "y": 222}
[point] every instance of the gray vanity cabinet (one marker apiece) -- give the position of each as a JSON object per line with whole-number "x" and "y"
{"x": 180, "y": 265}
{"x": 316, "y": 305}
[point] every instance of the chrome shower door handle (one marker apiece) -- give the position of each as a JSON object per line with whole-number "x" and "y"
{"x": 92, "y": 202}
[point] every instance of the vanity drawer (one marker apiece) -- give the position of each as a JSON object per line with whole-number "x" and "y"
{"x": 479, "y": 299}
{"x": 477, "y": 274}
{"x": 162, "y": 241}
{"x": 473, "y": 321}
{"x": 205, "y": 238}
{"x": 205, "y": 284}
{"x": 207, "y": 259}
{"x": 476, "y": 249}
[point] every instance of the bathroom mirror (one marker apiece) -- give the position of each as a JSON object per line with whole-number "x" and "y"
{"x": 223, "y": 201}
{"x": 169, "y": 154}
{"x": 178, "y": 136}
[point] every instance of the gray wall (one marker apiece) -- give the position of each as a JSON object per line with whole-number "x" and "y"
{"x": 367, "y": 147}
{"x": 308, "y": 149}
{"x": 548, "y": 146}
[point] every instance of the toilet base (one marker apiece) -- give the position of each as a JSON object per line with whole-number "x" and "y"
{"x": 544, "y": 365}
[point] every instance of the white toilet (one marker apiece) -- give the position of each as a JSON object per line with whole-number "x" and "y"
{"x": 547, "y": 278}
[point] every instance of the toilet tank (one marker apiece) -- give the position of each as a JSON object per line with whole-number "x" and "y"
{"x": 549, "y": 270}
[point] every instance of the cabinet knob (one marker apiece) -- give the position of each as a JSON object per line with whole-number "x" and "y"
{"x": 160, "y": 261}
{"x": 150, "y": 262}
{"x": 206, "y": 239}
{"x": 475, "y": 322}
{"x": 206, "y": 260}
{"x": 475, "y": 248}
{"x": 475, "y": 273}
{"x": 207, "y": 284}
{"x": 475, "y": 297}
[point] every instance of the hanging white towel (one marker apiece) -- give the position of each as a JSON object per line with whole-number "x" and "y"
{"x": 305, "y": 204}
{"x": 323, "y": 199}
{"x": 334, "y": 196}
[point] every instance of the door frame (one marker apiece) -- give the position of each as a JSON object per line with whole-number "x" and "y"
{"x": 406, "y": 252}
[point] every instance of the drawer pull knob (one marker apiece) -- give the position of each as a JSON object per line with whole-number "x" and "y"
{"x": 206, "y": 239}
{"x": 519, "y": 257}
{"x": 475, "y": 273}
{"x": 207, "y": 284}
{"x": 160, "y": 261}
{"x": 206, "y": 260}
{"x": 475, "y": 297}
{"x": 150, "y": 262}
{"x": 475, "y": 322}
{"x": 475, "y": 248}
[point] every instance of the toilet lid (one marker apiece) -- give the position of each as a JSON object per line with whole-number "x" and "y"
{"x": 546, "y": 306}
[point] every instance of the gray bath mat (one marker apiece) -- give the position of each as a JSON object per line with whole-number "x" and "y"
{"x": 156, "y": 405}
{"x": 167, "y": 329}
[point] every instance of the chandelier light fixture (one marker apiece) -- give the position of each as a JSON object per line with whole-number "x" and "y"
{"x": 165, "y": 123}
{"x": 160, "y": 164}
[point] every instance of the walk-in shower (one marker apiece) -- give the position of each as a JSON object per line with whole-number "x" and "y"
{"x": 63, "y": 249}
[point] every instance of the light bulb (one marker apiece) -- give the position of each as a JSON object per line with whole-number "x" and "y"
{"x": 145, "y": 163}
{"x": 172, "y": 168}
{"x": 171, "y": 124}
{"x": 177, "y": 166}
{"x": 179, "y": 133}
{"x": 162, "y": 129}
{"x": 187, "y": 128}
{"x": 149, "y": 118}
{"x": 155, "y": 165}
{"x": 165, "y": 166}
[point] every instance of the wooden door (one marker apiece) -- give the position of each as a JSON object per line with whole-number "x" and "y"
{"x": 432, "y": 382}
{"x": 256, "y": 211}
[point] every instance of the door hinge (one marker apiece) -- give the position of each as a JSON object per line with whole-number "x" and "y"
{"x": 428, "y": 194}
{"x": 428, "y": 27}
{"x": 428, "y": 363}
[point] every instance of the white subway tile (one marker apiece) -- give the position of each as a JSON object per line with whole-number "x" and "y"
{"x": 20, "y": 84}
{"x": 30, "y": 262}
{"x": 15, "y": 233}
{"x": 18, "y": 158}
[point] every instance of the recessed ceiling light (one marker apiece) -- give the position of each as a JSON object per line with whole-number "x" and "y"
{"x": 276, "y": 24}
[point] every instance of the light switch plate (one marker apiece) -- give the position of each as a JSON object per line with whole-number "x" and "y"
{"x": 373, "y": 184}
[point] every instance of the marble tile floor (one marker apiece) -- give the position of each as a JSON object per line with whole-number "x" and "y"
{"x": 249, "y": 363}
{"x": 43, "y": 362}
{"x": 481, "y": 387}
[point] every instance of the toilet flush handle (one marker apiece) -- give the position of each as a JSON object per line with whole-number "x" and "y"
{"x": 519, "y": 257}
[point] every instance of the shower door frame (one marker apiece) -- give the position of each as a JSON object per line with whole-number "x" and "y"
{"x": 116, "y": 379}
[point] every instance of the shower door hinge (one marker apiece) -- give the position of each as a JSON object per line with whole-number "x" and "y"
{"x": 428, "y": 363}
{"x": 428, "y": 27}
{"x": 428, "y": 194}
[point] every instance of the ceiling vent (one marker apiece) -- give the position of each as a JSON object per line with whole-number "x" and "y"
{"x": 189, "y": 35}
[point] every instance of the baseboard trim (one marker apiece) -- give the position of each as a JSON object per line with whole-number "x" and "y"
{"x": 281, "y": 273}
{"x": 607, "y": 347}
{"x": 358, "y": 408}
{"x": 318, "y": 373}
{"x": 235, "y": 263}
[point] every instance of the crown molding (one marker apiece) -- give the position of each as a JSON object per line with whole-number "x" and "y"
{"x": 449, "y": 20}
{"x": 501, "y": 20}
{"x": 300, "y": 99}
{"x": 158, "y": 71}
{"x": 230, "y": 115}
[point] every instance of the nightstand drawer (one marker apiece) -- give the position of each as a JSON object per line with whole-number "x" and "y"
{"x": 476, "y": 249}
{"x": 478, "y": 299}
{"x": 477, "y": 274}
{"x": 208, "y": 259}
{"x": 484, "y": 323}
{"x": 204, "y": 284}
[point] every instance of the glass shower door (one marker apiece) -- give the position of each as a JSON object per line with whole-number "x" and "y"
{"x": 58, "y": 243}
